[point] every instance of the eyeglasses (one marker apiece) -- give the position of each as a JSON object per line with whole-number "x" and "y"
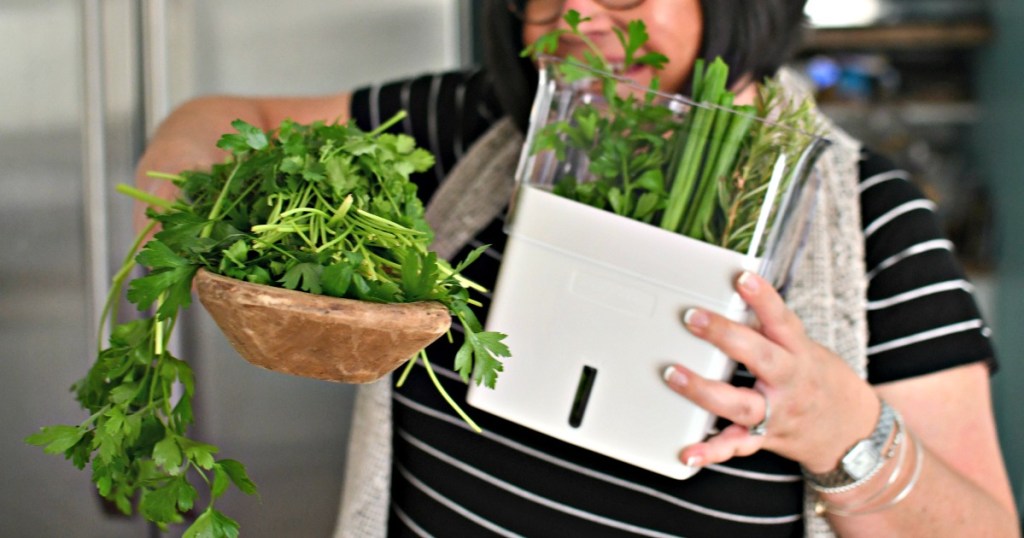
{"x": 548, "y": 11}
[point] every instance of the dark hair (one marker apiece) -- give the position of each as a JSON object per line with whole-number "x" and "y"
{"x": 755, "y": 37}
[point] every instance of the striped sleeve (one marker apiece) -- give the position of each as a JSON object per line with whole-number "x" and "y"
{"x": 922, "y": 313}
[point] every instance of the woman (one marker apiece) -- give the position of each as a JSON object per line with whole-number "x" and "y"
{"x": 798, "y": 412}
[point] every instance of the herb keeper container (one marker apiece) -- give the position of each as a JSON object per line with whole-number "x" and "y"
{"x": 592, "y": 301}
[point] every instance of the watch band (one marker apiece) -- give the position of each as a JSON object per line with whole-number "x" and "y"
{"x": 861, "y": 461}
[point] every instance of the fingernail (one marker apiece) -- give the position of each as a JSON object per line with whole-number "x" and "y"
{"x": 673, "y": 376}
{"x": 693, "y": 461}
{"x": 748, "y": 282}
{"x": 696, "y": 318}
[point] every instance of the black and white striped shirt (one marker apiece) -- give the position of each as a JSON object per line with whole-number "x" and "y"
{"x": 512, "y": 481}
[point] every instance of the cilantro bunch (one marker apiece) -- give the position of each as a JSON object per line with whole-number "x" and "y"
{"x": 322, "y": 208}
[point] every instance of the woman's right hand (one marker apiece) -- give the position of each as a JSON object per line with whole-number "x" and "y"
{"x": 186, "y": 140}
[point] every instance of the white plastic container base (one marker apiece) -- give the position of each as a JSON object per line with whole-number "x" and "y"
{"x": 589, "y": 372}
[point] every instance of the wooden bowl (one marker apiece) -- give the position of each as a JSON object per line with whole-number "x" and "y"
{"x": 317, "y": 336}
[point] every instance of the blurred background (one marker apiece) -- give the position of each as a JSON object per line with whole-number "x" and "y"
{"x": 935, "y": 84}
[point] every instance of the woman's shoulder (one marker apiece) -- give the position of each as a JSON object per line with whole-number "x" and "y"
{"x": 888, "y": 191}
{"x": 464, "y": 92}
{"x": 877, "y": 169}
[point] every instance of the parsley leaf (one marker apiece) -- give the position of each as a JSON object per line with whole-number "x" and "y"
{"x": 304, "y": 275}
{"x": 248, "y": 138}
{"x": 212, "y": 524}
{"x": 56, "y": 439}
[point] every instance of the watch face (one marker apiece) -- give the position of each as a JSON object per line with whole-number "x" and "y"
{"x": 860, "y": 460}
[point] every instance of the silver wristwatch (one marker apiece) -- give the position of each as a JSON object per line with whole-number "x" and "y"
{"x": 861, "y": 461}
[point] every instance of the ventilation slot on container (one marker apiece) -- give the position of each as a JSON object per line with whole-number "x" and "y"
{"x": 579, "y": 404}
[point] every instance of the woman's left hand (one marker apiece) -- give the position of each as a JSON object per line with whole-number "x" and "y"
{"x": 819, "y": 407}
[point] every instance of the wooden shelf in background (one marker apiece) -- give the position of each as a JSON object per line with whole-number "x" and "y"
{"x": 913, "y": 113}
{"x": 901, "y": 36}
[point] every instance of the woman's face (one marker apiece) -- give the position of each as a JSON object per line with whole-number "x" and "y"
{"x": 674, "y": 27}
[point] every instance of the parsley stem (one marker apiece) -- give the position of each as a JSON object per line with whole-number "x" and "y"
{"x": 444, "y": 393}
{"x": 342, "y": 235}
{"x": 92, "y": 418}
{"x": 342, "y": 210}
{"x": 144, "y": 196}
{"x": 447, "y": 271}
{"x": 242, "y": 196}
{"x": 390, "y": 226}
{"x": 215, "y": 212}
{"x": 158, "y": 329}
{"x": 405, "y": 371}
{"x": 299, "y": 231}
{"x": 399, "y": 116}
{"x": 276, "y": 200}
{"x": 152, "y": 376}
{"x": 164, "y": 175}
{"x": 274, "y": 246}
{"x": 117, "y": 284}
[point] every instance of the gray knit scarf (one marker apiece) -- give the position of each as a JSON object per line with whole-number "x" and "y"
{"x": 828, "y": 293}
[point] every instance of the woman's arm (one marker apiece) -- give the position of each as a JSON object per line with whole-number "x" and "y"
{"x": 820, "y": 408}
{"x": 187, "y": 138}
{"x": 963, "y": 489}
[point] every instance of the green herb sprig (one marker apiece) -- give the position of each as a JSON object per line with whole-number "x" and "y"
{"x": 326, "y": 209}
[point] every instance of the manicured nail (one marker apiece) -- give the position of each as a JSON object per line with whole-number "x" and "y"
{"x": 696, "y": 318}
{"x": 673, "y": 376}
{"x": 693, "y": 461}
{"x": 748, "y": 282}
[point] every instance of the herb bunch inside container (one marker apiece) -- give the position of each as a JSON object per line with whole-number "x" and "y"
{"x": 701, "y": 166}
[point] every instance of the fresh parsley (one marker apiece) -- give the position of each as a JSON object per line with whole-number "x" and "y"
{"x": 322, "y": 208}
